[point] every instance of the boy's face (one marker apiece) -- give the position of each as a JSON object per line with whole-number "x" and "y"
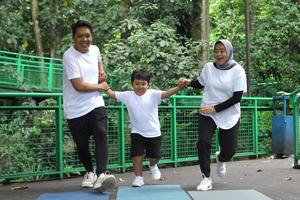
{"x": 140, "y": 87}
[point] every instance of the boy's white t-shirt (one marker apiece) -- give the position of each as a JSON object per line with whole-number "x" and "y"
{"x": 143, "y": 111}
{"x": 84, "y": 66}
{"x": 219, "y": 86}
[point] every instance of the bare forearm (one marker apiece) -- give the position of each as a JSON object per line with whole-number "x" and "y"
{"x": 109, "y": 92}
{"x": 170, "y": 92}
{"x": 84, "y": 86}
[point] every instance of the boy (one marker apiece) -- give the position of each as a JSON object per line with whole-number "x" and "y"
{"x": 142, "y": 105}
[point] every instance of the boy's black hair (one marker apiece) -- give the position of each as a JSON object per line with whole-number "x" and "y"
{"x": 81, "y": 23}
{"x": 140, "y": 74}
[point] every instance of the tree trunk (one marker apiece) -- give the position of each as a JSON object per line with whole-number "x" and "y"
{"x": 196, "y": 20}
{"x": 43, "y": 78}
{"x": 36, "y": 27}
{"x": 126, "y": 6}
{"x": 205, "y": 30}
{"x": 53, "y": 34}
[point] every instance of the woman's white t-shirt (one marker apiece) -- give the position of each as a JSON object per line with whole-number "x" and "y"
{"x": 143, "y": 111}
{"x": 84, "y": 66}
{"x": 219, "y": 86}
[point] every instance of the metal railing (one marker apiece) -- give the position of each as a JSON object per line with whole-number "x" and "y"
{"x": 30, "y": 73}
{"x": 35, "y": 141}
{"x": 295, "y": 100}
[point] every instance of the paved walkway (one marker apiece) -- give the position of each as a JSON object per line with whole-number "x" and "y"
{"x": 274, "y": 178}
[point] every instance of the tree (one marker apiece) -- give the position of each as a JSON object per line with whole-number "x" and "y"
{"x": 36, "y": 27}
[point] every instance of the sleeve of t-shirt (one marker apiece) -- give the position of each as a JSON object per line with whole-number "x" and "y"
{"x": 240, "y": 82}
{"x": 202, "y": 77}
{"x": 71, "y": 67}
{"x": 122, "y": 96}
{"x": 98, "y": 53}
{"x": 156, "y": 96}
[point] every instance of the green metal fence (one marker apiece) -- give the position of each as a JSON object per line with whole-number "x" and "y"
{"x": 35, "y": 140}
{"x": 295, "y": 98}
{"x": 30, "y": 73}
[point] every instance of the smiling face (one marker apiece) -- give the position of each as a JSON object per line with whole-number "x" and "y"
{"x": 139, "y": 86}
{"x": 82, "y": 39}
{"x": 220, "y": 54}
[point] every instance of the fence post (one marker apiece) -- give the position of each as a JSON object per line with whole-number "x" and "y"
{"x": 122, "y": 137}
{"x": 174, "y": 131}
{"x": 50, "y": 76}
{"x": 59, "y": 137}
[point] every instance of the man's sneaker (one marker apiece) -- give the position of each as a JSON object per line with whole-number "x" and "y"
{"x": 205, "y": 184}
{"x": 89, "y": 179}
{"x": 155, "y": 173}
{"x": 221, "y": 166}
{"x": 138, "y": 181}
{"x": 105, "y": 182}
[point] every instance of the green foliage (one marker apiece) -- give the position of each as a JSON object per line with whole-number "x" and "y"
{"x": 265, "y": 132}
{"x": 29, "y": 140}
{"x": 155, "y": 48}
{"x": 277, "y": 51}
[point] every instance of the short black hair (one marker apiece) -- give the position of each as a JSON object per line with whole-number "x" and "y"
{"x": 140, "y": 74}
{"x": 81, "y": 23}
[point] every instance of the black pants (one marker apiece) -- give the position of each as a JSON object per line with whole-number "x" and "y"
{"x": 94, "y": 123}
{"x": 227, "y": 141}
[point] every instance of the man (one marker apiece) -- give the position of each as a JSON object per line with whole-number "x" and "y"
{"x": 84, "y": 106}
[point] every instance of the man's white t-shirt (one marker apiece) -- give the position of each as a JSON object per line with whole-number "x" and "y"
{"x": 143, "y": 111}
{"x": 84, "y": 66}
{"x": 219, "y": 86}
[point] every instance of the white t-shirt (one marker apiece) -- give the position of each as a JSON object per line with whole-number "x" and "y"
{"x": 143, "y": 111}
{"x": 84, "y": 66}
{"x": 219, "y": 86}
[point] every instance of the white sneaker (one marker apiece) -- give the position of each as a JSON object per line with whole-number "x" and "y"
{"x": 89, "y": 179}
{"x": 138, "y": 181}
{"x": 155, "y": 173}
{"x": 221, "y": 166}
{"x": 205, "y": 184}
{"x": 105, "y": 182}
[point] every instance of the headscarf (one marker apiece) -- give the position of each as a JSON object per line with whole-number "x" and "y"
{"x": 230, "y": 62}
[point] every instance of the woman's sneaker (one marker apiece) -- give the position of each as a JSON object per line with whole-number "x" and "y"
{"x": 205, "y": 184}
{"x": 89, "y": 179}
{"x": 138, "y": 181}
{"x": 105, "y": 182}
{"x": 155, "y": 173}
{"x": 221, "y": 166}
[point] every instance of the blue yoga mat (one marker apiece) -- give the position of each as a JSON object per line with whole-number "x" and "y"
{"x": 80, "y": 195}
{"x": 228, "y": 195}
{"x": 152, "y": 192}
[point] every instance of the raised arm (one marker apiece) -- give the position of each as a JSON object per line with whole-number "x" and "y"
{"x": 108, "y": 91}
{"x": 174, "y": 90}
{"x": 102, "y": 73}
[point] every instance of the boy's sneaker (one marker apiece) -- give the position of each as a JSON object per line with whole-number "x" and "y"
{"x": 138, "y": 181}
{"x": 155, "y": 173}
{"x": 205, "y": 184}
{"x": 89, "y": 179}
{"x": 105, "y": 182}
{"x": 221, "y": 166}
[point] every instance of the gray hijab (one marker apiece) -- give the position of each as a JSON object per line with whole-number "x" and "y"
{"x": 229, "y": 50}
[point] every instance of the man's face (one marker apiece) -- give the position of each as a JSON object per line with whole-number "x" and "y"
{"x": 220, "y": 54}
{"x": 82, "y": 39}
{"x": 140, "y": 87}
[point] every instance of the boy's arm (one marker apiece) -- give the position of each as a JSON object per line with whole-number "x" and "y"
{"x": 174, "y": 90}
{"x": 170, "y": 91}
{"x": 108, "y": 91}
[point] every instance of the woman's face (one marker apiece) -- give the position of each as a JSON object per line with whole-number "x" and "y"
{"x": 140, "y": 87}
{"x": 220, "y": 54}
{"x": 82, "y": 39}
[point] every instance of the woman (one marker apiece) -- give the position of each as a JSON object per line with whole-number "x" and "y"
{"x": 223, "y": 83}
